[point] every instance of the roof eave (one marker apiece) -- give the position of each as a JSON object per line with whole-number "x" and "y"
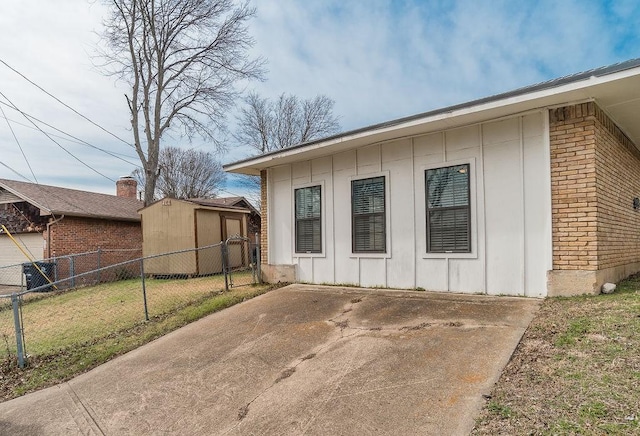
{"x": 98, "y": 217}
{"x": 473, "y": 112}
{"x": 27, "y": 199}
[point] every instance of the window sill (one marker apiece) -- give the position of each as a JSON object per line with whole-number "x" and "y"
{"x": 471, "y": 255}
{"x": 307, "y": 255}
{"x": 370, "y": 255}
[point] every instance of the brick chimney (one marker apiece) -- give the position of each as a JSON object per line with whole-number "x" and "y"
{"x": 126, "y": 186}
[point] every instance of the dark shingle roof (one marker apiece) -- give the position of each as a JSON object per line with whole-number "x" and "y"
{"x": 240, "y": 202}
{"x": 53, "y": 200}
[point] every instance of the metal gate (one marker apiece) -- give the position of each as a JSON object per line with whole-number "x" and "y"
{"x": 241, "y": 262}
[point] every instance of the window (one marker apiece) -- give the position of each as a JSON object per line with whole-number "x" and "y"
{"x": 308, "y": 226}
{"x": 448, "y": 209}
{"x": 368, "y": 215}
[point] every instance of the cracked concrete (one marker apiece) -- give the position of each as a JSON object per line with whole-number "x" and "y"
{"x": 301, "y": 360}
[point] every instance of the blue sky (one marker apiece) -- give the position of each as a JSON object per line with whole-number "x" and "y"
{"x": 379, "y": 60}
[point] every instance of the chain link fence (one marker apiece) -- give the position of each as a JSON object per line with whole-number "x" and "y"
{"x": 14, "y": 278}
{"x": 67, "y": 303}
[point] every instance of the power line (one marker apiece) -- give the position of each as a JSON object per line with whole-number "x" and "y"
{"x": 26, "y": 178}
{"x": 56, "y": 142}
{"x": 75, "y": 138}
{"x": 19, "y": 146}
{"x": 14, "y": 171}
{"x": 49, "y": 193}
{"x": 64, "y": 104}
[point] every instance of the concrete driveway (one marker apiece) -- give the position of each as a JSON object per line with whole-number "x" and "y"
{"x": 299, "y": 360}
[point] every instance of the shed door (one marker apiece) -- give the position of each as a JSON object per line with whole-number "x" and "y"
{"x": 233, "y": 227}
{"x": 11, "y": 255}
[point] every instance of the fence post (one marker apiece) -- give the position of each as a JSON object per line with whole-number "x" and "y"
{"x": 144, "y": 291}
{"x": 258, "y": 262}
{"x": 225, "y": 261}
{"x": 72, "y": 270}
{"x": 17, "y": 322}
{"x": 98, "y": 263}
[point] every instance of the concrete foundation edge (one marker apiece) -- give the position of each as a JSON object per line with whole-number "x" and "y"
{"x": 278, "y": 273}
{"x": 566, "y": 283}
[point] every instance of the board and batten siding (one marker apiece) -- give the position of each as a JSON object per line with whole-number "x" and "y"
{"x": 510, "y": 211}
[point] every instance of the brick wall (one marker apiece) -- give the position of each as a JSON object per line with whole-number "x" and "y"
{"x": 595, "y": 174}
{"x": 573, "y": 187}
{"x": 76, "y": 235}
{"x": 618, "y": 182}
{"x": 264, "y": 241}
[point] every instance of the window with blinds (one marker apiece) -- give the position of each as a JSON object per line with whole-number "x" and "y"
{"x": 368, "y": 228}
{"x": 448, "y": 209}
{"x": 308, "y": 225}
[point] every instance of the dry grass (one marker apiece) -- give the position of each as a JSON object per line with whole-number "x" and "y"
{"x": 58, "y": 320}
{"x": 576, "y": 370}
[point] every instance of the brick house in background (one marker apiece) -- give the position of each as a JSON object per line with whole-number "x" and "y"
{"x": 50, "y": 221}
{"x": 532, "y": 192}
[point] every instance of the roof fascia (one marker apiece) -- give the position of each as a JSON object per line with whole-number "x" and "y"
{"x": 28, "y": 200}
{"x": 453, "y": 116}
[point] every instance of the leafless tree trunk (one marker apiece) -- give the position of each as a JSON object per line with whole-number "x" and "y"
{"x": 186, "y": 173}
{"x": 182, "y": 59}
{"x": 272, "y": 125}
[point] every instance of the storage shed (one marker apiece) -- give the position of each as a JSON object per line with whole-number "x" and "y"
{"x": 170, "y": 225}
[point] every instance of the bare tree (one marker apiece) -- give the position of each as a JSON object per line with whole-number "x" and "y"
{"x": 182, "y": 59}
{"x": 186, "y": 173}
{"x": 272, "y": 125}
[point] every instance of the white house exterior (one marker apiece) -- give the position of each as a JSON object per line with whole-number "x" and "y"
{"x": 484, "y": 197}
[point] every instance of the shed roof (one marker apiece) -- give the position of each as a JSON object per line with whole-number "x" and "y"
{"x": 615, "y": 88}
{"x": 53, "y": 200}
{"x": 228, "y": 201}
{"x": 208, "y": 203}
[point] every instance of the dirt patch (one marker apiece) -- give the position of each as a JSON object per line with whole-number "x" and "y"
{"x": 421, "y": 326}
{"x": 575, "y": 371}
{"x": 342, "y": 324}
{"x": 285, "y": 374}
{"x": 242, "y": 413}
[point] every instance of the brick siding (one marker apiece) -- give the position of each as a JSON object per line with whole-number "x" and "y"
{"x": 618, "y": 183}
{"x": 264, "y": 241}
{"x": 595, "y": 174}
{"x": 77, "y": 235}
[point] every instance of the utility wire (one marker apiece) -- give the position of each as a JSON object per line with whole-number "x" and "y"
{"x": 48, "y": 193}
{"x": 64, "y": 104}
{"x": 23, "y": 155}
{"x": 56, "y": 142}
{"x": 15, "y": 172}
{"x": 75, "y": 138}
{"x": 22, "y": 176}
{"x": 19, "y": 146}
